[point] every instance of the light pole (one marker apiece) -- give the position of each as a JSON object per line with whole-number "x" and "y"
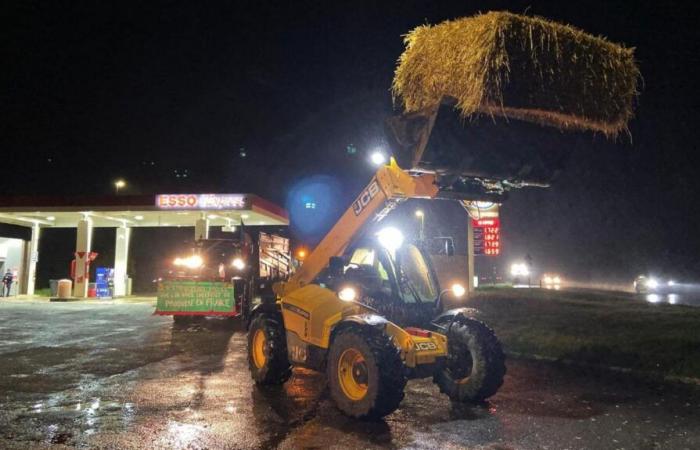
{"x": 528, "y": 262}
{"x": 421, "y": 216}
{"x": 118, "y": 185}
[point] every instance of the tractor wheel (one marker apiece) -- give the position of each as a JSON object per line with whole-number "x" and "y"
{"x": 267, "y": 350}
{"x": 365, "y": 373}
{"x": 475, "y": 363}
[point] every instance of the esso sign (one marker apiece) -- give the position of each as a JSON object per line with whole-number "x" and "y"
{"x": 487, "y": 222}
{"x": 177, "y": 201}
{"x": 201, "y": 201}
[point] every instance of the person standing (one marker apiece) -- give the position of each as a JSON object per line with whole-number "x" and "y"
{"x": 7, "y": 283}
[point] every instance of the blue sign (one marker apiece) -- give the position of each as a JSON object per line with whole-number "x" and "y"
{"x": 104, "y": 281}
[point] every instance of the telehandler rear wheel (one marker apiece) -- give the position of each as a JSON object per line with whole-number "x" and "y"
{"x": 365, "y": 373}
{"x": 475, "y": 363}
{"x": 267, "y": 350}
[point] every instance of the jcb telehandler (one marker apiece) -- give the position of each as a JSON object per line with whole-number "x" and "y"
{"x": 372, "y": 318}
{"x": 366, "y": 306}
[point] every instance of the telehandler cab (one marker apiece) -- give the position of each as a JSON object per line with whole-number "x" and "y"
{"x": 367, "y": 309}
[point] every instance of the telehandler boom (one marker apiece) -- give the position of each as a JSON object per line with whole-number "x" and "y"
{"x": 389, "y": 186}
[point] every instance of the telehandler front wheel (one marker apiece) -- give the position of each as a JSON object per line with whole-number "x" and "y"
{"x": 365, "y": 373}
{"x": 267, "y": 350}
{"x": 475, "y": 364}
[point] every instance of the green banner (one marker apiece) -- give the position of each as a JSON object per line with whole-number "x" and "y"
{"x": 195, "y": 296}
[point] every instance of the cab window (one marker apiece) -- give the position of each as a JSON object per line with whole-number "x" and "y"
{"x": 416, "y": 282}
{"x": 363, "y": 257}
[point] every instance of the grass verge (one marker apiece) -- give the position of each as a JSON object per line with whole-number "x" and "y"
{"x": 595, "y": 328}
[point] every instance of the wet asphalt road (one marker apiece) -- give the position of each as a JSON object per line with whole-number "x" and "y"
{"x": 114, "y": 376}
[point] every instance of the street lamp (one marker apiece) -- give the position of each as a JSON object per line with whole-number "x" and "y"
{"x": 421, "y": 216}
{"x": 119, "y": 184}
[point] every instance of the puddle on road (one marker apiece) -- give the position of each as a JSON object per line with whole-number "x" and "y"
{"x": 182, "y": 435}
{"x": 60, "y": 420}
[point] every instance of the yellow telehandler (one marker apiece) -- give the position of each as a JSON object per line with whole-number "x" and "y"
{"x": 366, "y": 308}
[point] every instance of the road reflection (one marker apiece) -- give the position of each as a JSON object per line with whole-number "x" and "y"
{"x": 673, "y": 299}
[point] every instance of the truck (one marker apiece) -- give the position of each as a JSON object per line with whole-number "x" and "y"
{"x": 223, "y": 277}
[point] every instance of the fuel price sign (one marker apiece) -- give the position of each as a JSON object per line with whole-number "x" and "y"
{"x": 487, "y": 236}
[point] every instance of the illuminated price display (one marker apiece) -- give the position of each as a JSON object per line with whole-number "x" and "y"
{"x": 487, "y": 236}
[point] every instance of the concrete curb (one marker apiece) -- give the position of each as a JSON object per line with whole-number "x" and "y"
{"x": 640, "y": 373}
{"x": 67, "y": 299}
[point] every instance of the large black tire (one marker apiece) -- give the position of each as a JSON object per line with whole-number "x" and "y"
{"x": 379, "y": 373}
{"x": 267, "y": 350}
{"x": 475, "y": 364}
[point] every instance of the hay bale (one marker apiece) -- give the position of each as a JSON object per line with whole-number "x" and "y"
{"x": 520, "y": 67}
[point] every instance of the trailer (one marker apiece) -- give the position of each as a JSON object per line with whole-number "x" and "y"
{"x": 223, "y": 277}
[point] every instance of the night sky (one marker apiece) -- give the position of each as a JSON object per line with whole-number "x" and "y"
{"x": 171, "y": 95}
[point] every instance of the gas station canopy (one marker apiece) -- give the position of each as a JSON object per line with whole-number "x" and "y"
{"x": 163, "y": 210}
{"x": 200, "y": 211}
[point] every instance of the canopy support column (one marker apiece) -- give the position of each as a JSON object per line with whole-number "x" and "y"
{"x": 82, "y": 256}
{"x": 121, "y": 257}
{"x": 201, "y": 229}
{"x": 29, "y": 280}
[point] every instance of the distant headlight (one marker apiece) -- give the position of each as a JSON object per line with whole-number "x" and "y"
{"x": 238, "y": 263}
{"x": 191, "y": 262}
{"x": 671, "y": 283}
{"x": 652, "y": 283}
{"x": 194, "y": 262}
{"x": 347, "y": 294}
{"x": 556, "y": 280}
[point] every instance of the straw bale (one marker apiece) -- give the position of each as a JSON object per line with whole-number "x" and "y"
{"x": 514, "y": 66}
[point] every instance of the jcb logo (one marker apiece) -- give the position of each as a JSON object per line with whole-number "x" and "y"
{"x": 420, "y": 346}
{"x": 366, "y": 196}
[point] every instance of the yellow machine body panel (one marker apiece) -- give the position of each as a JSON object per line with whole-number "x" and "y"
{"x": 418, "y": 350}
{"x": 311, "y": 312}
